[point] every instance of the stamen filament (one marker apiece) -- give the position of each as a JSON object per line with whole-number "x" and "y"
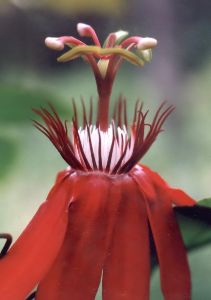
{"x": 115, "y": 150}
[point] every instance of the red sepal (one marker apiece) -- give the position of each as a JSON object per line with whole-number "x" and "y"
{"x": 35, "y": 250}
{"x": 77, "y": 270}
{"x": 126, "y": 275}
{"x": 172, "y": 257}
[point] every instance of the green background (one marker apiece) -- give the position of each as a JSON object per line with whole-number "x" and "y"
{"x": 30, "y": 77}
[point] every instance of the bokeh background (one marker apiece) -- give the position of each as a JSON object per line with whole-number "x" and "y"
{"x": 30, "y": 77}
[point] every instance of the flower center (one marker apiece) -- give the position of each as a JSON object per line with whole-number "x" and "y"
{"x": 106, "y": 145}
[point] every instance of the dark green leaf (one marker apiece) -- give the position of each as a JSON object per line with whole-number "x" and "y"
{"x": 195, "y": 224}
{"x": 205, "y": 202}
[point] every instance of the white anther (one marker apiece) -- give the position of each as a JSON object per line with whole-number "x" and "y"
{"x": 146, "y": 43}
{"x": 54, "y": 43}
{"x": 121, "y": 34}
{"x": 82, "y": 29}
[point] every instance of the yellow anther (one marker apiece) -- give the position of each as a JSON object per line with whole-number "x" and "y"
{"x": 86, "y": 50}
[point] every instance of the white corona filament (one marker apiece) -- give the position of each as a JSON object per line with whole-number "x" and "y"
{"x": 106, "y": 138}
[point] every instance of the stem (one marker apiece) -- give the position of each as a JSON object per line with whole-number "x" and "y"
{"x": 104, "y": 87}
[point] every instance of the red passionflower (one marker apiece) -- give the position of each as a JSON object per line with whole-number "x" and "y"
{"x": 98, "y": 217}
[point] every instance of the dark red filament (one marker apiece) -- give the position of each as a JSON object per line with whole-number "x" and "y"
{"x": 142, "y": 132}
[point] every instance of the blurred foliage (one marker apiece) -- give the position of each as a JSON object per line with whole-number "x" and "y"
{"x": 73, "y": 7}
{"x": 17, "y": 102}
{"x": 8, "y": 152}
{"x": 80, "y": 6}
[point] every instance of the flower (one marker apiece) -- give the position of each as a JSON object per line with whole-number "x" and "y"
{"x": 98, "y": 218}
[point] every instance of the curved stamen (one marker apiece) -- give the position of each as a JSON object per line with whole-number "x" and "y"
{"x": 57, "y": 134}
{"x": 125, "y": 112}
{"x": 80, "y": 149}
{"x": 118, "y": 164}
{"x": 101, "y": 53}
{"x": 90, "y": 110}
{"x": 75, "y": 113}
{"x": 142, "y": 43}
{"x": 115, "y": 38}
{"x": 88, "y": 31}
{"x": 142, "y": 145}
{"x": 84, "y": 112}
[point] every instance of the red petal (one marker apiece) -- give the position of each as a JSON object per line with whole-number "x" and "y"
{"x": 35, "y": 250}
{"x": 63, "y": 173}
{"x": 77, "y": 270}
{"x": 174, "y": 269}
{"x": 180, "y": 198}
{"x": 175, "y": 196}
{"x": 126, "y": 274}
